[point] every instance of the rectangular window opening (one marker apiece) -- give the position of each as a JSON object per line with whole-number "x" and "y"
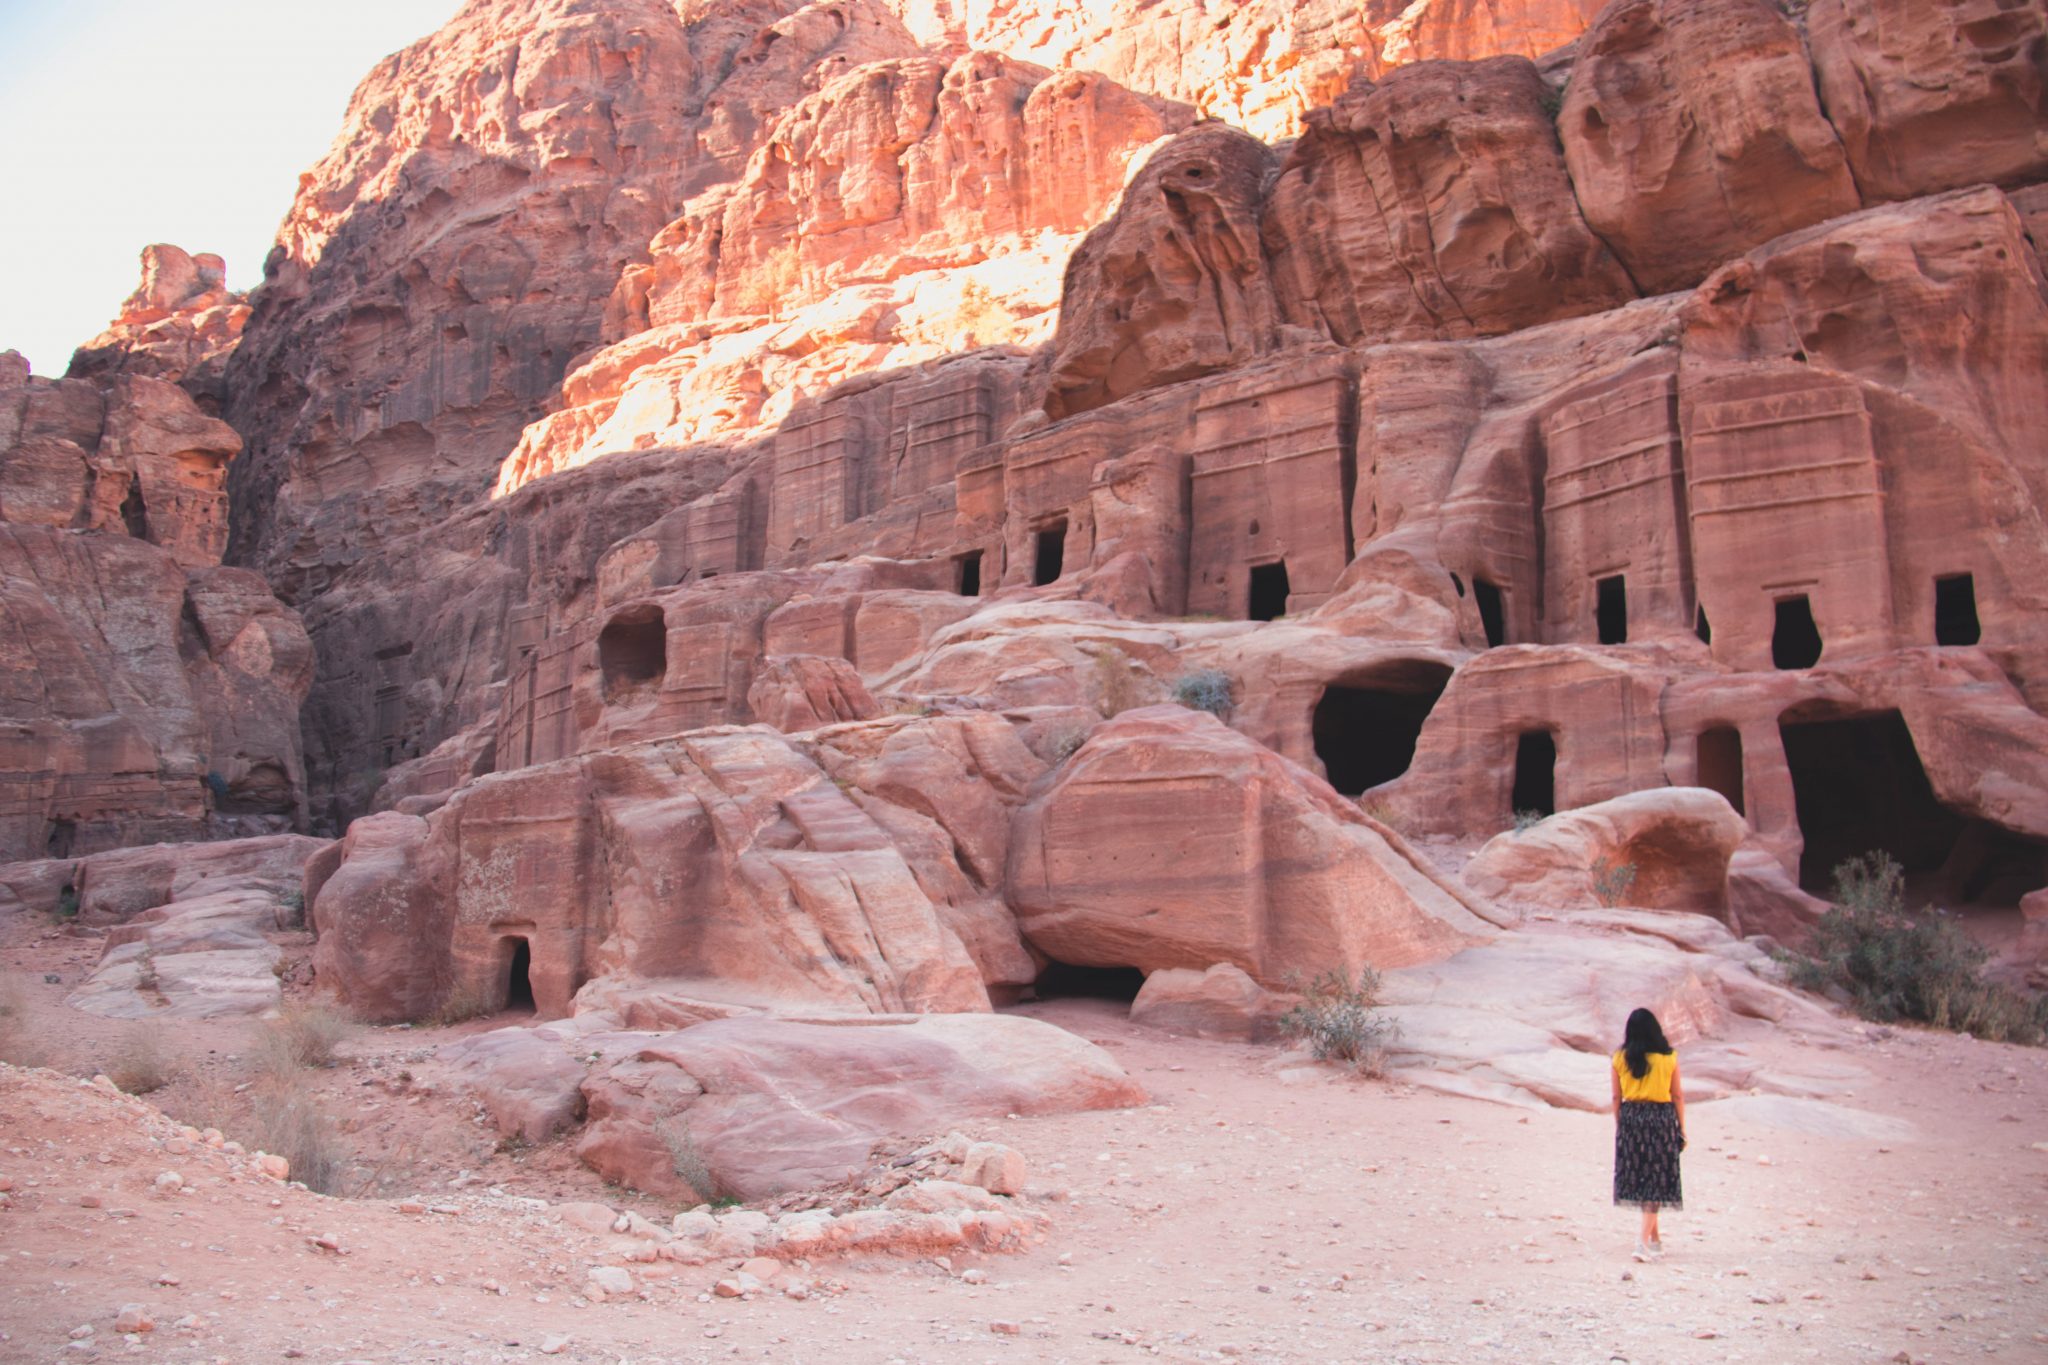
{"x": 1795, "y": 639}
{"x": 1610, "y": 610}
{"x": 1535, "y": 787}
{"x": 1492, "y": 612}
{"x": 1050, "y": 561}
{"x": 969, "y": 567}
{"x": 1955, "y": 610}
{"x": 1269, "y": 592}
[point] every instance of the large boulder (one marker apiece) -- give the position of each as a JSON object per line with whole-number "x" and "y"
{"x": 1170, "y": 840}
{"x": 1174, "y": 285}
{"x": 1665, "y": 849}
{"x": 1434, "y": 204}
{"x": 761, "y": 1106}
{"x": 1693, "y": 133}
{"x": 727, "y": 863}
{"x": 1932, "y": 95}
{"x": 1220, "y": 1003}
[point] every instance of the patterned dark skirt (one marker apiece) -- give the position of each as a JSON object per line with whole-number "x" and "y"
{"x": 1646, "y": 1146}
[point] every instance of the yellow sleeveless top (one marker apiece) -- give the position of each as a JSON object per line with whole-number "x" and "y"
{"x": 1655, "y": 1084}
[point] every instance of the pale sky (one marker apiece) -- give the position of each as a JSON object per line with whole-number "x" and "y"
{"x": 184, "y": 121}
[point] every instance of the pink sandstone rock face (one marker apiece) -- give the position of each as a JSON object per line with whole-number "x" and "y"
{"x": 1218, "y": 852}
{"x": 1175, "y": 286}
{"x": 1220, "y": 1003}
{"x": 1434, "y": 204}
{"x": 1693, "y": 133}
{"x": 790, "y": 544}
{"x": 727, "y": 867}
{"x": 771, "y": 1105}
{"x": 179, "y": 325}
{"x": 1664, "y": 850}
{"x": 1932, "y": 95}
{"x": 153, "y": 694}
{"x": 1260, "y": 65}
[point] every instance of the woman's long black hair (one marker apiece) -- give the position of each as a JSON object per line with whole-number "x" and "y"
{"x": 1643, "y": 1036}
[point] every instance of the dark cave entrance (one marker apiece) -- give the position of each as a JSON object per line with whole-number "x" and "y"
{"x": 1955, "y": 610}
{"x": 519, "y": 977}
{"x": 1535, "y": 774}
{"x": 1492, "y": 612}
{"x": 63, "y": 833}
{"x": 1269, "y": 592}
{"x": 1366, "y": 735}
{"x": 135, "y": 512}
{"x": 1858, "y": 785}
{"x": 1064, "y": 981}
{"x": 1720, "y": 763}
{"x": 632, "y": 651}
{"x": 1051, "y": 558}
{"x": 1795, "y": 639}
{"x": 969, "y": 581}
{"x": 1610, "y": 610}
{"x": 1702, "y": 627}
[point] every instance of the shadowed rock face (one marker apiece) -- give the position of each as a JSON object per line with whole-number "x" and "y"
{"x": 181, "y": 324}
{"x": 151, "y": 693}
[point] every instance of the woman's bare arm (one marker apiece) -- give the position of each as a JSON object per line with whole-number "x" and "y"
{"x": 1614, "y": 1088}
{"x": 1677, "y": 1098}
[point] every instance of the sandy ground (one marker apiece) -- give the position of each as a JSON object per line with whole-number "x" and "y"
{"x": 1256, "y": 1211}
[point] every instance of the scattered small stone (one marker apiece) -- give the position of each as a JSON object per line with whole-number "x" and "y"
{"x": 133, "y": 1317}
{"x": 412, "y": 1206}
{"x": 169, "y": 1182}
{"x": 327, "y": 1241}
{"x": 607, "y": 1281}
{"x": 1006, "y": 1329}
{"x": 554, "y": 1345}
{"x": 82, "y": 1332}
{"x": 974, "y": 1276}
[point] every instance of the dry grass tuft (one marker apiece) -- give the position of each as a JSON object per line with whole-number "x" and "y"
{"x": 140, "y": 1065}
{"x": 18, "y": 1045}
{"x": 287, "y": 1120}
{"x": 302, "y": 1036}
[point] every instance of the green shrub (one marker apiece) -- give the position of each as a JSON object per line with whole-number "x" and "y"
{"x": 67, "y": 903}
{"x": 1528, "y": 819}
{"x": 1890, "y": 963}
{"x": 1339, "y": 1019}
{"x": 1204, "y": 689}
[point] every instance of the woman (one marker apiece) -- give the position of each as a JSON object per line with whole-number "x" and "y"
{"x": 1649, "y": 1126}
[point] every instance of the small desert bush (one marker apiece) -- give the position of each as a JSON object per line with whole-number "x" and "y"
{"x": 1060, "y": 744}
{"x": 140, "y": 1065}
{"x": 18, "y": 1046}
{"x": 1340, "y": 1020}
{"x": 301, "y": 1036}
{"x": 285, "y": 1119}
{"x": 688, "y": 1160}
{"x": 1612, "y": 880}
{"x": 1204, "y": 689}
{"x": 1890, "y": 963}
{"x": 291, "y": 910}
{"x": 67, "y": 903}
{"x": 1528, "y": 820}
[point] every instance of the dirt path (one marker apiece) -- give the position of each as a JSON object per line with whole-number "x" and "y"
{"x": 1252, "y": 1213}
